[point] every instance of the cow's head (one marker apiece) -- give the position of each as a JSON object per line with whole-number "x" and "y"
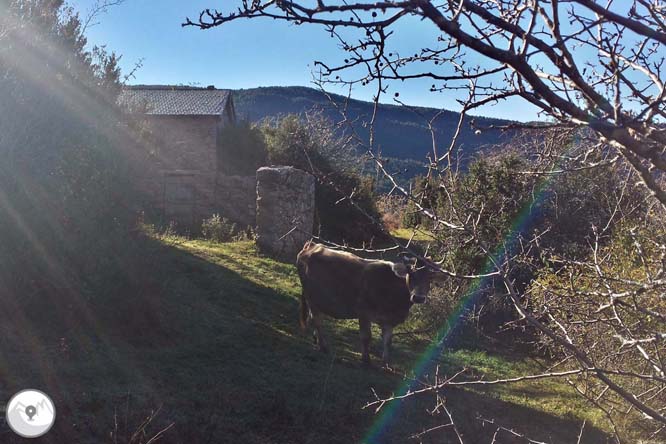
{"x": 417, "y": 279}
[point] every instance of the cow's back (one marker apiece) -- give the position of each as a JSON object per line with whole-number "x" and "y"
{"x": 331, "y": 280}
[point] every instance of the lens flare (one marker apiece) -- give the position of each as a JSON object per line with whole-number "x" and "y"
{"x": 429, "y": 357}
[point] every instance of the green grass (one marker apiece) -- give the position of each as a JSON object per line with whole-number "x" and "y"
{"x": 407, "y": 233}
{"x": 210, "y": 333}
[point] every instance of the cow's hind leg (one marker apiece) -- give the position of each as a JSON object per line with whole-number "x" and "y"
{"x": 366, "y": 335}
{"x": 318, "y": 328}
{"x": 305, "y": 316}
{"x": 387, "y": 336}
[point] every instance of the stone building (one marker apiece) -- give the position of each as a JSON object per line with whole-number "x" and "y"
{"x": 179, "y": 171}
{"x": 176, "y": 151}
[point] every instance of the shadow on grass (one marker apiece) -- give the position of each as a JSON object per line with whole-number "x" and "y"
{"x": 222, "y": 354}
{"x": 469, "y": 409}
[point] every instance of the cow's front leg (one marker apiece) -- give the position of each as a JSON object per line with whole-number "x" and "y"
{"x": 387, "y": 335}
{"x": 366, "y": 335}
{"x": 317, "y": 324}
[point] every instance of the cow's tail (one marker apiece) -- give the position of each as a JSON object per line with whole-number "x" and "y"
{"x": 304, "y": 312}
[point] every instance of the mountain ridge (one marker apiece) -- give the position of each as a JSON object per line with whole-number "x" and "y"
{"x": 400, "y": 132}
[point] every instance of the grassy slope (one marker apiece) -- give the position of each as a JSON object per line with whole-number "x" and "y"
{"x": 217, "y": 344}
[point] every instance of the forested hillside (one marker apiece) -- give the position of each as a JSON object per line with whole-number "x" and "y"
{"x": 400, "y": 132}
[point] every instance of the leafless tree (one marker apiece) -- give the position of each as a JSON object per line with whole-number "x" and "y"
{"x": 594, "y": 72}
{"x": 97, "y": 9}
{"x": 580, "y": 62}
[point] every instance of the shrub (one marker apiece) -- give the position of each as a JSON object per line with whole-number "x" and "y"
{"x": 391, "y": 208}
{"x": 612, "y": 309}
{"x": 221, "y": 229}
{"x": 344, "y": 199}
{"x": 423, "y": 190}
{"x": 242, "y": 149}
{"x": 218, "y": 229}
{"x": 508, "y": 208}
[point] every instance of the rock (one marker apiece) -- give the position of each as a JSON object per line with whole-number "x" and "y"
{"x": 285, "y": 210}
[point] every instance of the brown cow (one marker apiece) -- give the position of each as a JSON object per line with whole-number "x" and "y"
{"x": 345, "y": 286}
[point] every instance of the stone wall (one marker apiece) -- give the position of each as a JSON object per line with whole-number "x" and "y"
{"x": 177, "y": 166}
{"x": 285, "y": 210}
{"x": 184, "y": 142}
{"x": 177, "y": 169}
{"x": 236, "y": 198}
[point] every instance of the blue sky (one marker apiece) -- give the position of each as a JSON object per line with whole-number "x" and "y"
{"x": 247, "y": 54}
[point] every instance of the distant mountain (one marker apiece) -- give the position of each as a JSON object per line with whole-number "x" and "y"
{"x": 401, "y": 132}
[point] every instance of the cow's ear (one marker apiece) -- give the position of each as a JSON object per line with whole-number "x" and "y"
{"x": 400, "y": 270}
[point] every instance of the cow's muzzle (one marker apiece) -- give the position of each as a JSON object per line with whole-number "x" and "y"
{"x": 418, "y": 299}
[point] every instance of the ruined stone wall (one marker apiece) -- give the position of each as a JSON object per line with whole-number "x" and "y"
{"x": 285, "y": 210}
{"x": 236, "y": 199}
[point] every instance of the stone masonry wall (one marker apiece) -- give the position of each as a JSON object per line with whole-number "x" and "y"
{"x": 178, "y": 175}
{"x": 185, "y": 142}
{"x": 236, "y": 198}
{"x": 178, "y": 167}
{"x": 285, "y": 210}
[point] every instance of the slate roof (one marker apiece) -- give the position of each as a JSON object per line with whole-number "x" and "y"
{"x": 169, "y": 100}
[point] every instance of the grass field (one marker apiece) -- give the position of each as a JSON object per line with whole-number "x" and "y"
{"x": 211, "y": 338}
